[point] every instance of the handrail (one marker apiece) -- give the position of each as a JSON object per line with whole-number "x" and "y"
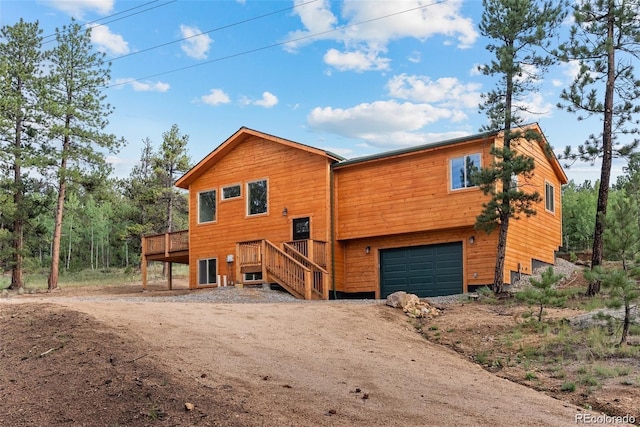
{"x": 315, "y": 250}
{"x": 288, "y": 270}
{"x": 319, "y": 275}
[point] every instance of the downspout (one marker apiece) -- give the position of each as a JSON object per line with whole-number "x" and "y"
{"x": 332, "y": 227}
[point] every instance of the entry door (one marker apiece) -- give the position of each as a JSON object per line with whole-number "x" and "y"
{"x": 301, "y": 229}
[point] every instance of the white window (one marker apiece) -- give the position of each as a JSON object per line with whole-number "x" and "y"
{"x": 207, "y": 206}
{"x": 549, "y": 197}
{"x": 231, "y": 192}
{"x": 461, "y": 170}
{"x": 207, "y": 271}
{"x": 252, "y": 277}
{"x": 257, "y": 197}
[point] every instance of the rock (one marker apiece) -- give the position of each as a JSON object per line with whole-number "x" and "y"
{"x": 395, "y": 299}
{"x": 189, "y": 406}
{"x": 411, "y": 305}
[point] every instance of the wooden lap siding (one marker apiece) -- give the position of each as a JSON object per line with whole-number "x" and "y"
{"x": 362, "y": 271}
{"x": 297, "y": 181}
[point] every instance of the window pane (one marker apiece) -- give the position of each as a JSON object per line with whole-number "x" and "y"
{"x": 231, "y": 192}
{"x": 207, "y": 206}
{"x": 212, "y": 272}
{"x": 257, "y": 197}
{"x": 549, "y": 197}
{"x": 457, "y": 173}
{"x": 202, "y": 272}
{"x": 472, "y": 165}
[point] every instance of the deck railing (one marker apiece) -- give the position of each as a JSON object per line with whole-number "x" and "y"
{"x": 319, "y": 276}
{"x": 287, "y": 271}
{"x": 315, "y": 250}
{"x": 167, "y": 242}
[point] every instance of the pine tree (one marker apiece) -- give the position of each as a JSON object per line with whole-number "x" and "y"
{"x": 604, "y": 40}
{"x": 78, "y": 115}
{"x": 21, "y": 78}
{"x": 521, "y": 31}
{"x": 169, "y": 164}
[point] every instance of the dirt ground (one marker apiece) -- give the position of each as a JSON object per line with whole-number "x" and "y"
{"x": 126, "y": 362}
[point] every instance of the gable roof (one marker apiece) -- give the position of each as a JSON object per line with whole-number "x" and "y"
{"x": 241, "y": 135}
{"x": 549, "y": 154}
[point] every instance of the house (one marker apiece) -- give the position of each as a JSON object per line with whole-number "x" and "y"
{"x": 267, "y": 209}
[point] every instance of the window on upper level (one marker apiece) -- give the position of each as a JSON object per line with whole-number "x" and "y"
{"x": 461, "y": 170}
{"x": 206, "y": 206}
{"x": 257, "y": 197}
{"x": 231, "y": 192}
{"x": 549, "y": 197}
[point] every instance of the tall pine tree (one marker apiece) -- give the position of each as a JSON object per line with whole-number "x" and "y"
{"x": 520, "y": 31}
{"x": 21, "y": 78}
{"x": 605, "y": 40}
{"x": 78, "y": 115}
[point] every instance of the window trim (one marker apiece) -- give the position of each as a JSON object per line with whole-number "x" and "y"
{"x": 548, "y": 185}
{"x": 464, "y": 157}
{"x": 245, "y": 280}
{"x": 215, "y": 200}
{"x": 248, "y": 197}
{"x": 215, "y": 260}
{"x": 222, "y": 188}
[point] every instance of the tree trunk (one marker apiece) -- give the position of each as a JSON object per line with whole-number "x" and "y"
{"x": 17, "y": 279}
{"x": 57, "y": 230}
{"x": 607, "y": 154}
{"x": 498, "y": 277}
{"x": 627, "y": 322}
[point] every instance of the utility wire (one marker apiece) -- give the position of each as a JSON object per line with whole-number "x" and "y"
{"x": 50, "y": 36}
{"x": 255, "y": 18}
{"x": 247, "y": 52}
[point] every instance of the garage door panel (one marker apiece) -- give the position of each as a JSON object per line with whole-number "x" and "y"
{"x": 422, "y": 270}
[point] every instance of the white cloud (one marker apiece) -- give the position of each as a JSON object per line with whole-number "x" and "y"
{"x": 368, "y": 27}
{"x": 534, "y": 108}
{"x": 108, "y": 41}
{"x": 475, "y": 70}
{"x": 197, "y": 45}
{"x": 356, "y": 61}
{"x": 143, "y": 86}
{"x": 268, "y": 100}
{"x": 381, "y": 123}
{"x": 77, "y": 8}
{"x": 446, "y": 91}
{"x": 216, "y": 97}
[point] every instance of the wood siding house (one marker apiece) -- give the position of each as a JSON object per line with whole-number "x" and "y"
{"x": 266, "y": 209}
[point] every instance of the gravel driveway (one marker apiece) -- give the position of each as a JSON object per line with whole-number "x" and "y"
{"x": 319, "y": 363}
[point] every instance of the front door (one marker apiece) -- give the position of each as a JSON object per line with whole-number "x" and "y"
{"x": 301, "y": 229}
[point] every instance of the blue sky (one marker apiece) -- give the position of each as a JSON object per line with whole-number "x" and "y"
{"x": 352, "y": 77}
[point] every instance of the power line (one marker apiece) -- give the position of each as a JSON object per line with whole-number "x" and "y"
{"x": 116, "y": 14}
{"x": 214, "y": 30}
{"x": 246, "y": 52}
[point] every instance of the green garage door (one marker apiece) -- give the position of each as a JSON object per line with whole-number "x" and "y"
{"x": 426, "y": 271}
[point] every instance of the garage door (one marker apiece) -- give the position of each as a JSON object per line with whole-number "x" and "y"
{"x": 426, "y": 271}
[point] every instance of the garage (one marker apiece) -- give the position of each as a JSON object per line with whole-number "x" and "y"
{"x": 427, "y": 271}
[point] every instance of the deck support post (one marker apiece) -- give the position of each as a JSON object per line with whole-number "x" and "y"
{"x": 143, "y": 264}
{"x": 170, "y": 275}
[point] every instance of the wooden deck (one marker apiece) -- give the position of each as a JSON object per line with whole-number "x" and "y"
{"x": 299, "y": 266}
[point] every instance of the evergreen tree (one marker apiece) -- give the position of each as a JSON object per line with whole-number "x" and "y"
{"x": 20, "y": 94}
{"x": 622, "y": 239}
{"x": 78, "y": 115}
{"x": 543, "y": 292}
{"x": 169, "y": 164}
{"x": 520, "y": 31}
{"x": 604, "y": 39}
